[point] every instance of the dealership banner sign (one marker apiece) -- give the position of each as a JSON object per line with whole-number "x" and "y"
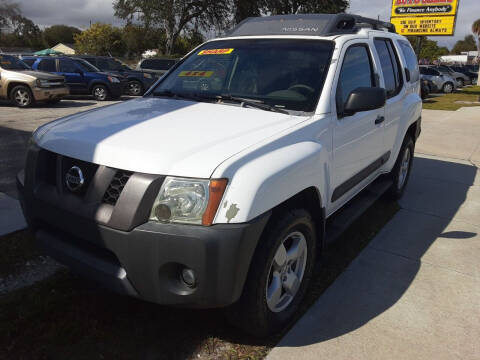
{"x": 424, "y": 17}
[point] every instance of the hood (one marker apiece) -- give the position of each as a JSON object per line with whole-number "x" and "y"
{"x": 162, "y": 136}
{"x": 39, "y": 74}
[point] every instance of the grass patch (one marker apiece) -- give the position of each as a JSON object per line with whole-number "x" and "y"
{"x": 65, "y": 317}
{"x": 448, "y": 101}
{"x": 16, "y": 249}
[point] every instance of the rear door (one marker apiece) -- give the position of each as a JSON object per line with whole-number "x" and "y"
{"x": 358, "y": 145}
{"x": 73, "y": 76}
{"x": 393, "y": 83}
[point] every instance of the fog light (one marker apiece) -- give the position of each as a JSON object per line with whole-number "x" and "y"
{"x": 188, "y": 277}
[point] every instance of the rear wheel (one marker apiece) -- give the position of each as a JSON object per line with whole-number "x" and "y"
{"x": 279, "y": 275}
{"x": 448, "y": 88}
{"x": 21, "y": 96}
{"x": 135, "y": 88}
{"x": 401, "y": 171}
{"x": 100, "y": 92}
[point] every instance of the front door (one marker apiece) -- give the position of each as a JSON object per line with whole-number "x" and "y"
{"x": 358, "y": 144}
{"x": 73, "y": 76}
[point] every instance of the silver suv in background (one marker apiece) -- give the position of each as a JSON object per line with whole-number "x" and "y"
{"x": 442, "y": 81}
{"x": 156, "y": 65}
{"x": 459, "y": 77}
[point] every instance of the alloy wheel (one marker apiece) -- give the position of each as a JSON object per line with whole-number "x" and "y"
{"x": 404, "y": 168}
{"x": 286, "y": 271}
{"x": 22, "y": 97}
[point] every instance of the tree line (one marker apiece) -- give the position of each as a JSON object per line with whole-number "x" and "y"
{"x": 172, "y": 26}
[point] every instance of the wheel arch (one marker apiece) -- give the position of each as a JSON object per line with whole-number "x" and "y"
{"x": 13, "y": 84}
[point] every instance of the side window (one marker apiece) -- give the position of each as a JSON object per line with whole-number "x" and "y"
{"x": 390, "y": 66}
{"x": 66, "y": 66}
{"x": 411, "y": 59}
{"x": 146, "y": 64}
{"x": 29, "y": 62}
{"x": 47, "y": 65}
{"x": 102, "y": 64}
{"x": 356, "y": 72}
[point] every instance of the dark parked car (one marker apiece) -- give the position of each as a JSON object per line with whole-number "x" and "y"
{"x": 156, "y": 65}
{"x": 81, "y": 77}
{"x": 138, "y": 81}
{"x": 465, "y": 70}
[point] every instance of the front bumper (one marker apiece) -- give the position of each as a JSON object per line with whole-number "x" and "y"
{"x": 44, "y": 94}
{"x": 144, "y": 259}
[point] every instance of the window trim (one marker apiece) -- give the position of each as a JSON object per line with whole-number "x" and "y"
{"x": 400, "y": 72}
{"x": 373, "y": 79}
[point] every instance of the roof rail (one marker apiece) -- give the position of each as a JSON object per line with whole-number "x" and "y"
{"x": 307, "y": 24}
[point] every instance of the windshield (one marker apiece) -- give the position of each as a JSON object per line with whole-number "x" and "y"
{"x": 85, "y": 65}
{"x": 9, "y": 62}
{"x": 112, "y": 64}
{"x": 283, "y": 73}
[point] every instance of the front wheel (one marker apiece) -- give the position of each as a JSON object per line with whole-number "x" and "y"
{"x": 401, "y": 171}
{"x": 22, "y": 96}
{"x": 100, "y": 92}
{"x": 279, "y": 275}
{"x": 135, "y": 88}
{"x": 460, "y": 82}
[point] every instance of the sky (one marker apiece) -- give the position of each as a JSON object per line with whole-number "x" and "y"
{"x": 81, "y": 12}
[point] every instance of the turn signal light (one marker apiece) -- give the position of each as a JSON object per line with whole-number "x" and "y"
{"x": 216, "y": 189}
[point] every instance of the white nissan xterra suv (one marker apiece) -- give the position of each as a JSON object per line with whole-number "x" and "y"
{"x": 213, "y": 189}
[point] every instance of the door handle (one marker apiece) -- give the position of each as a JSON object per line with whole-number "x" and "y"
{"x": 379, "y": 120}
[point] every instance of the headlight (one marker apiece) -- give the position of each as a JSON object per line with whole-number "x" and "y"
{"x": 147, "y": 76}
{"x": 113, "y": 79}
{"x": 42, "y": 83}
{"x": 189, "y": 201}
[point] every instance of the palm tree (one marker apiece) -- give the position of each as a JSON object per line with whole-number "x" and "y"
{"x": 476, "y": 31}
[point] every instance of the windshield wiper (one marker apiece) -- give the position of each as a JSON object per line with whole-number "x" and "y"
{"x": 259, "y": 104}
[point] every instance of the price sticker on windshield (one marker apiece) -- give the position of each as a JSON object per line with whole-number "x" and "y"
{"x": 216, "y": 52}
{"x": 195, "y": 73}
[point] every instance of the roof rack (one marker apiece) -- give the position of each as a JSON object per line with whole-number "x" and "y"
{"x": 307, "y": 24}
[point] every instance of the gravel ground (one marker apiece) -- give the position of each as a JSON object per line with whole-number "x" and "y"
{"x": 29, "y": 273}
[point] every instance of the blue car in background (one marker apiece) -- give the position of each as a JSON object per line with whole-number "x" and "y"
{"x": 138, "y": 81}
{"x": 81, "y": 77}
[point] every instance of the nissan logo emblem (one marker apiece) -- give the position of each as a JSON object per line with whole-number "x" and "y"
{"x": 74, "y": 179}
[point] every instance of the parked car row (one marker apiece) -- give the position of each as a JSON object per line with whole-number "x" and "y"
{"x": 445, "y": 78}
{"x": 25, "y": 80}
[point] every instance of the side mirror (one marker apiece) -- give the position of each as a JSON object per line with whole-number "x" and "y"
{"x": 407, "y": 74}
{"x": 365, "y": 99}
{"x": 78, "y": 71}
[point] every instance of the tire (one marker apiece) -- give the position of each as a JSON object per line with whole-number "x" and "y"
{"x": 100, "y": 92}
{"x": 447, "y": 88}
{"x": 22, "y": 96}
{"x": 460, "y": 82}
{"x": 135, "y": 88}
{"x": 256, "y": 312}
{"x": 402, "y": 168}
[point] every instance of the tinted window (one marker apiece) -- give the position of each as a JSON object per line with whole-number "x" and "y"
{"x": 390, "y": 66}
{"x": 9, "y": 62}
{"x": 47, "y": 65}
{"x": 66, "y": 66}
{"x": 410, "y": 58}
{"x": 356, "y": 72}
{"x": 85, "y": 65}
{"x": 157, "y": 64}
{"x": 29, "y": 62}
